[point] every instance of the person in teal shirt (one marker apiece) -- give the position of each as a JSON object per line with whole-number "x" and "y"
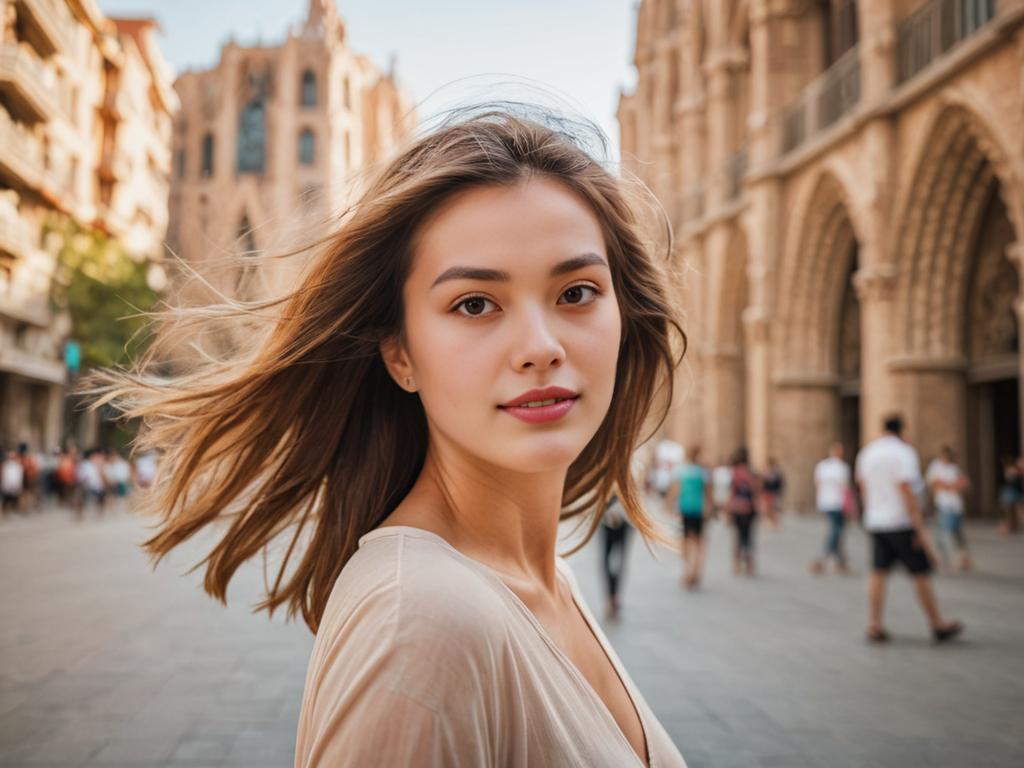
{"x": 688, "y": 495}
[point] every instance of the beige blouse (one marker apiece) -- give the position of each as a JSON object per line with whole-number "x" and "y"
{"x": 425, "y": 657}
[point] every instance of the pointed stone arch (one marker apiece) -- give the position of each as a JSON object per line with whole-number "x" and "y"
{"x": 959, "y": 164}
{"x": 823, "y": 243}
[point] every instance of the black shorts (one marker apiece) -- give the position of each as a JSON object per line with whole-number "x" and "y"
{"x": 899, "y": 546}
{"x": 693, "y": 525}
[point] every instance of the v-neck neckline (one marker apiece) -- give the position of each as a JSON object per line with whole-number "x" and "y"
{"x": 568, "y": 663}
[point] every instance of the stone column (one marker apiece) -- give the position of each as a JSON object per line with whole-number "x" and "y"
{"x": 875, "y": 284}
{"x": 719, "y": 121}
{"x": 756, "y": 330}
{"x": 876, "y": 49}
{"x": 761, "y": 223}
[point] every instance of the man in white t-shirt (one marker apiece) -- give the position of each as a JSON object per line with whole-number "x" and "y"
{"x": 668, "y": 458}
{"x": 947, "y": 484}
{"x": 887, "y": 471}
{"x": 832, "y": 485}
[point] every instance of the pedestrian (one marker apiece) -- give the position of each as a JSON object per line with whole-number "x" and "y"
{"x": 91, "y": 485}
{"x": 948, "y": 483}
{"x": 67, "y": 478}
{"x": 773, "y": 484}
{"x": 117, "y": 473}
{"x": 688, "y": 497}
{"x": 887, "y": 471}
{"x": 469, "y": 360}
{"x": 614, "y": 539}
{"x": 742, "y": 510}
{"x": 1010, "y": 494}
{"x": 832, "y": 495}
{"x": 145, "y": 469}
{"x": 12, "y": 482}
{"x": 668, "y": 457}
{"x": 721, "y": 486}
{"x": 31, "y": 496}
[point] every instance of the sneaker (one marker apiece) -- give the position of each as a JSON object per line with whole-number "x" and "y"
{"x": 948, "y": 632}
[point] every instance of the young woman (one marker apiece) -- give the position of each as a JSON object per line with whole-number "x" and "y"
{"x": 742, "y": 509}
{"x": 470, "y": 360}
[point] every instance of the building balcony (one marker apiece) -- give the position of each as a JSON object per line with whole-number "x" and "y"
{"x": 935, "y": 29}
{"x": 17, "y": 236}
{"x": 33, "y": 90}
{"x": 114, "y": 166}
{"x": 51, "y": 27}
{"x": 830, "y": 96}
{"x": 21, "y": 154}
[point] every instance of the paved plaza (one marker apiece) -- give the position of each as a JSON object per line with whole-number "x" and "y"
{"x": 104, "y": 662}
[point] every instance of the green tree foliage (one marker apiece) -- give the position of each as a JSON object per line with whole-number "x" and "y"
{"x": 104, "y": 290}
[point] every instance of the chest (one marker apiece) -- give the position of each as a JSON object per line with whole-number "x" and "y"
{"x": 573, "y": 636}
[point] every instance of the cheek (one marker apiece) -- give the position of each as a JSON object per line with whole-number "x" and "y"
{"x": 453, "y": 363}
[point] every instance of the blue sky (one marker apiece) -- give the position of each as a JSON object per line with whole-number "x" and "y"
{"x": 578, "y": 51}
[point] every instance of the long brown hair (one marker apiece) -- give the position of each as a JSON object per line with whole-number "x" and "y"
{"x": 304, "y": 431}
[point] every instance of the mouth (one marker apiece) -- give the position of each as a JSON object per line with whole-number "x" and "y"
{"x": 537, "y": 406}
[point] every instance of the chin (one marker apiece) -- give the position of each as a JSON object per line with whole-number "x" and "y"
{"x": 541, "y": 453}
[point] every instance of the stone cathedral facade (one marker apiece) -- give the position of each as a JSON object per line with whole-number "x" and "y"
{"x": 269, "y": 138}
{"x": 845, "y": 183}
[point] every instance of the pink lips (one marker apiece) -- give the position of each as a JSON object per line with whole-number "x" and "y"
{"x": 541, "y": 413}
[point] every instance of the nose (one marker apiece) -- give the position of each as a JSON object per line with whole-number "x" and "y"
{"x": 535, "y": 345}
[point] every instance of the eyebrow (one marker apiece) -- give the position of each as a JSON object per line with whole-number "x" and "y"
{"x": 479, "y": 273}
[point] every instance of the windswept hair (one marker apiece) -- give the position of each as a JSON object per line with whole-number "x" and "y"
{"x": 305, "y": 436}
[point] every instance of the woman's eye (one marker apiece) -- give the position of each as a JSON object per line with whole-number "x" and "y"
{"x": 474, "y": 306}
{"x": 577, "y": 294}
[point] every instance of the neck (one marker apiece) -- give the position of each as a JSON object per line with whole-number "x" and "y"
{"x": 503, "y": 518}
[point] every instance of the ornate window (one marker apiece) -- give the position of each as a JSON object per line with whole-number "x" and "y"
{"x": 207, "y": 167}
{"x": 251, "y": 137}
{"x": 308, "y": 88}
{"x": 307, "y": 147}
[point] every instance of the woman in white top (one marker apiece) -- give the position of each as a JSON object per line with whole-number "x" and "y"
{"x": 427, "y": 405}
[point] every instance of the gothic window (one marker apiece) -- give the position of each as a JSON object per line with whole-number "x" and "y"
{"x": 252, "y": 130}
{"x": 308, "y": 88}
{"x": 245, "y": 236}
{"x": 207, "y": 167}
{"x": 307, "y": 147}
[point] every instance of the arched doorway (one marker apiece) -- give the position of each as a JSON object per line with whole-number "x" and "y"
{"x": 817, "y": 372}
{"x": 958, "y": 370}
{"x": 992, "y": 340}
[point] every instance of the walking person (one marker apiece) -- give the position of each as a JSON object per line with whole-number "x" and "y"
{"x": 772, "y": 485}
{"x": 91, "y": 485}
{"x": 887, "y": 471}
{"x": 689, "y": 498}
{"x": 1010, "y": 494}
{"x": 614, "y": 539}
{"x": 12, "y": 483}
{"x": 832, "y": 494}
{"x": 947, "y": 484}
{"x": 744, "y": 491}
{"x": 430, "y": 402}
{"x": 721, "y": 486}
{"x": 66, "y": 477}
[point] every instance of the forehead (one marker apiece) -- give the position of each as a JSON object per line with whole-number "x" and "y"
{"x": 537, "y": 220}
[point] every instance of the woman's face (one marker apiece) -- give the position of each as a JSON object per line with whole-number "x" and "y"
{"x": 510, "y": 291}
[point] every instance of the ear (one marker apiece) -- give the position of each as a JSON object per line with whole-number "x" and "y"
{"x": 396, "y": 360}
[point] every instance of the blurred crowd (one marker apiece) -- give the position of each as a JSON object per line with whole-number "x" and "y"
{"x": 79, "y": 481}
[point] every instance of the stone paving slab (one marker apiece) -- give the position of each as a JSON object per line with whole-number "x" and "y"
{"x": 105, "y": 662}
